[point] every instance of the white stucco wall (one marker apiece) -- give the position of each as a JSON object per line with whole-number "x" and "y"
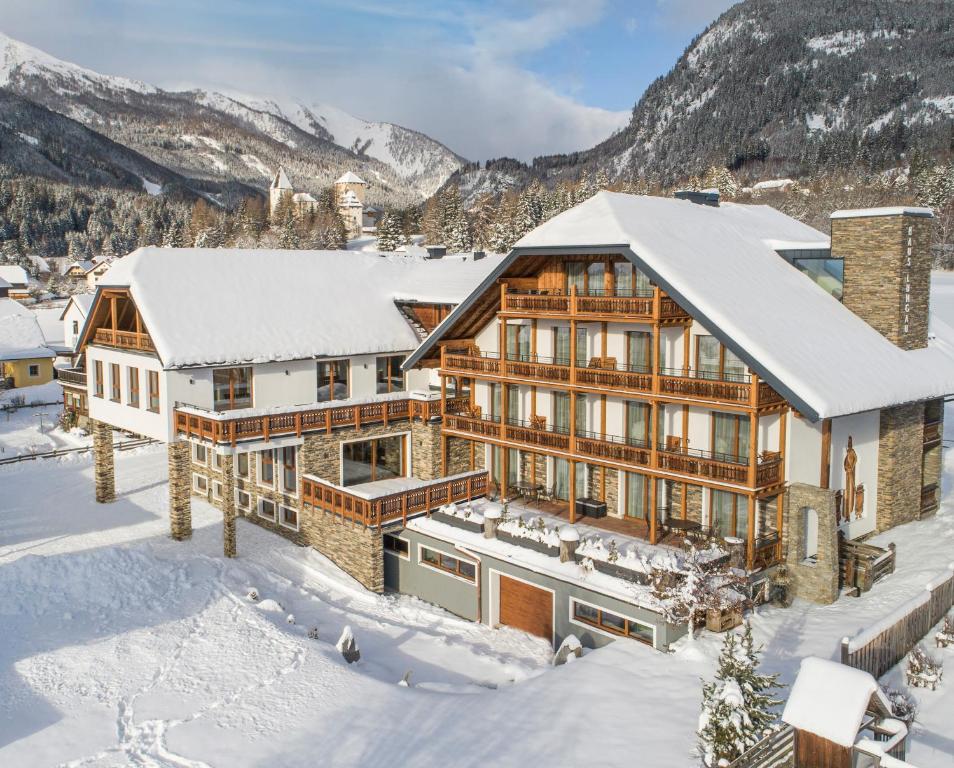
{"x": 138, "y": 420}
{"x": 863, "y": 429}
{"x": 803, "y": 451}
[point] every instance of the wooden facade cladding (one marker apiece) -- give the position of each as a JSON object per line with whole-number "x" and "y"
{"x": 219, "y": 428}
{"x": 320, "y": 495}
{"x": 114, "y": 321}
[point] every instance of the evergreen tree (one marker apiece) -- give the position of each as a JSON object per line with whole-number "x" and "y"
{"x": 389, "y": 232}
{"x": 738, "y": 706}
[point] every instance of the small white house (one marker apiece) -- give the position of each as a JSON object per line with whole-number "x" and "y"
{"x": 18, "y": 280}
{"x": 74, "y": 315}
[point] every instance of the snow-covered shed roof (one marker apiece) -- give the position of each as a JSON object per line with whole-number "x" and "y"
{"x": 4, "y": 283}
{"x": 82, "y": 302}
{"x": 281, "y": 180}
{"x": 718, "y": 263}
{"x": 350, "y": 178}
{"x": 20, "y": 334}
{"x": 14, "y": 274}
{"x": 303, "y": 197}
{"x": 214, "y": 306}
{"x": 830, "y": 699}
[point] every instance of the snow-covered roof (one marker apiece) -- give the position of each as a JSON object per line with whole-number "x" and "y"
{"x": 281, "y": 180}
{"x": 220, "y": 306}
{"x": 350, "y": 199}
{"x": 303, "y": 197}
{"x": 717, "y": 264}
{"x": 830, "y": 699}
{"x": 85, "y": 265}
{"x": 20, "y": 334}
{"x": 39, "y": 262}
{"x": 4, "y": 283}
{"x": 50, "y": 325}
{"x": 14, "y": 274}
{"x": 82, "y": 302}
{"x": 350, "y": 178}
{"x": 858, "y": 213}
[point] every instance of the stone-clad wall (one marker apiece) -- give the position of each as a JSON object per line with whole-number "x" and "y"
{"x": 321, "y": 453}
{"x": 900, "y": 450}
{"x": 815, "y": 581}
{"x": 180, "y": 490}
{"x": 458, "y": 456}
{"x": 693, "y": 502}
{"x": 426, "y": 450}
{"x": 878, "y": 274}
{"x": 355, "y": 549}
{"x": 104, "y": 469}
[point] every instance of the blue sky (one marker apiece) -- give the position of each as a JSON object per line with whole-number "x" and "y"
{"x": 491, "y": 78}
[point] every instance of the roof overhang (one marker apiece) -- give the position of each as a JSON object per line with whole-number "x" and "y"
{"x": 625, "y": 250}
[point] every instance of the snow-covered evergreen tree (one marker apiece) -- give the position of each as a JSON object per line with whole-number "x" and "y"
{"x": 389, "y": 232}
{"x": 738, "y": 708}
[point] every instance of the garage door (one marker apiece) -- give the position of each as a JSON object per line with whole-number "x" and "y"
{"x": 526, "y": 607}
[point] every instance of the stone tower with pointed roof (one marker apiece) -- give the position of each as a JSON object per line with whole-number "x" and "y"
{"x": 279, "y": 189}
{"x": 350, "y": 182}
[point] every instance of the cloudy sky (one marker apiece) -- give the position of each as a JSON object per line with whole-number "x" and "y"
{"x": 487, "y": 77}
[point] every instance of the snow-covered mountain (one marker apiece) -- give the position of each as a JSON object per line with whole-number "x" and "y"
{"x": 216, "y": 137}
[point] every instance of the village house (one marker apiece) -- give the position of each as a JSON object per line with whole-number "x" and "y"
{"x": 25, "y": 359}
{"x": 655, "y": 370}
{"x": 73, "y": 378}
{"x": 17, "y": 280}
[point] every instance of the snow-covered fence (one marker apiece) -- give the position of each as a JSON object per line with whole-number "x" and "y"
{"x": 883, "y": 644}
{"x": 121, "y": 446}
{"x": 774, "y": 751}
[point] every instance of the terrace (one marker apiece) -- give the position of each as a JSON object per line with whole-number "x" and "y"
{"x": 593, "y": 304}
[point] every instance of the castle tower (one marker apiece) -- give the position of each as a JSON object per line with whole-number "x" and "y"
{"x": 279, "y": 188}
{"x": 352, "y": 211}
{"x": 351, "y": 182}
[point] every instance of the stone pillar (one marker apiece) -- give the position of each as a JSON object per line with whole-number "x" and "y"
{"x": 180, "y": 490}
{"x": 228, "y": 506}
{"x": 426, "y": 449}
{"x": 900, "y": 453}
{"x": 103, "y": 464}
{"x": 812, "y": 579}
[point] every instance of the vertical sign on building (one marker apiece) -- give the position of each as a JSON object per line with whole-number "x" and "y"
{"x": 906, "y": 276}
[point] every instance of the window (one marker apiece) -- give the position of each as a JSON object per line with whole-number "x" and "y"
{"x": 232, "y": 388}
{"x": 390, "y": 377}
{"x": 216, "y": 490}
{"x": 98, "y": 378}
{"x": 513, "y": 464}
{"x": 638, "y": 354}
{"x": 637, "y": 495}
{"x": 714, "y": 361}
{"x": 289, "y": 517}
{"x": 241, "y": 465}
{"x": 33, "y": 371}
{"x": 266, "y": 509}
{"x": 596, "y": 278}
{"x": 561, "y": 345}
{"x": 730, "y": 437}
{"x": 75, "y": 327}
{"x": 200, "y": 454}
{"x": 366, "y": 461}
{"x": 630, "y": 281}
{"x": 332, "y": 380}
{"x": 132, "y": 395}
{"x": 266, "y": 468}
{"x": 289, "y": 471}
{"x": 611, "y": 622}
{"x": 453, "y": 565}
{"x": 153, "y": 391}
{"x": 496, "y": 401}
{"x": 114, "y": 382}
{"x": 396, "y": 546}
{"x": 727, "y": 514}
{"x": 217, "y": 460}
{"x": 575, "y": 277}
{"x": 518, "y": 342}
{"x": 637, "y": 423}
{"x": 243, "y": 500}
{"x": 200, "y": 483}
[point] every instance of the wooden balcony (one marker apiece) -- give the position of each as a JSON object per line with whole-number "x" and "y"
{"x": 606, "y": 374}
{"x": 376, "y": 511}
{"x": 648, "y": 307}
{"x": 72, "y": 377}
{"x": 139, "y": 342}
{"x": 225, "y": 428}
{"x": 589, "y": 446}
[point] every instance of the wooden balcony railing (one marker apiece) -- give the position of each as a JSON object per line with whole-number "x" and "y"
{"x": 224, "y": 428}
{"x": 473, "y": 425}
{"x": 124, "y": 339}
{"x": 643, "y": 306}
{"x": 673, "y": 382}
{"x": 768, "y": 551}
{"x": 612, "y": 449}
{"x": 373, "y": 512}
{"x": 72, "y": 376}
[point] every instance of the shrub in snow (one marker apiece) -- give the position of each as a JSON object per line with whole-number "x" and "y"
{"x": 290, "y": 619}
{"x": 612, "y": 553}
{"x": 904, "y": 706}
{"x": 586, "y": 567}
{"x": 252, "y": 595}
{"x": 945, "y": 637}
{"x": 924, "y": 671}
{"x": 271, "y": 605}
{"x": 569, "y": 649}
{"x": 738, "y": 706}
{"x": 406, "y": 680}
{"x": 313, "y": 633}
{"x": 347, "y": 646}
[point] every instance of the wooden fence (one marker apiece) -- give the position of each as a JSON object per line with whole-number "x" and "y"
{"x": 885, "y": 643}
{"x": 861, "y": 565}
{"x": 774, "y": 751}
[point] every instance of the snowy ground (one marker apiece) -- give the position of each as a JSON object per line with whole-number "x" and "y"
{"x": 34, "y": 430}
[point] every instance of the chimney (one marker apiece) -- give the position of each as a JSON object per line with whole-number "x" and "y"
{"x": 887, "y": 263}
{"x": 705, "y": 197}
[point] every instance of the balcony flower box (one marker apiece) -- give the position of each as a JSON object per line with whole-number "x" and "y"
{"x": 529, "y": 543}
{"x": 458, "y": 521}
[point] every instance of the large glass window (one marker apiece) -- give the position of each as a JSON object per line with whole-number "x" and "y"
{"x": 727, "y": 514}
{"x": 513, "y": 464}
{"x": 153, "y": 377}
{"x": 266, "y": 468}
{"x": 561, "y": 345}
{"x": 518, "y": 342}
{"x": 289, "y": 470}
{"x": 714, "y": 361}
{"x": 496, "y": 401}
{"x": 638, "y": 356}
{"x": 132, "y": 397}
{"x": 576, "y": 276}
{"x": 114, "y": 382}
{"x": 390, "y": 377}
{"x": 561, "y": 412}
{"x": 366, "y": 461}
{"x": 637, "y": 423}
{"x": 730, "y": 437}
{"x": 454, "y": 565}
{"x": 332, "y": 380}
{"x": 98, "y": 378}
{"x": 232, "y": 388}
{"x": 596, "y": 278}
{"x": 612, "y": 622}
{"x": 630, "y": 281}
{"x": 637, "y": 496}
